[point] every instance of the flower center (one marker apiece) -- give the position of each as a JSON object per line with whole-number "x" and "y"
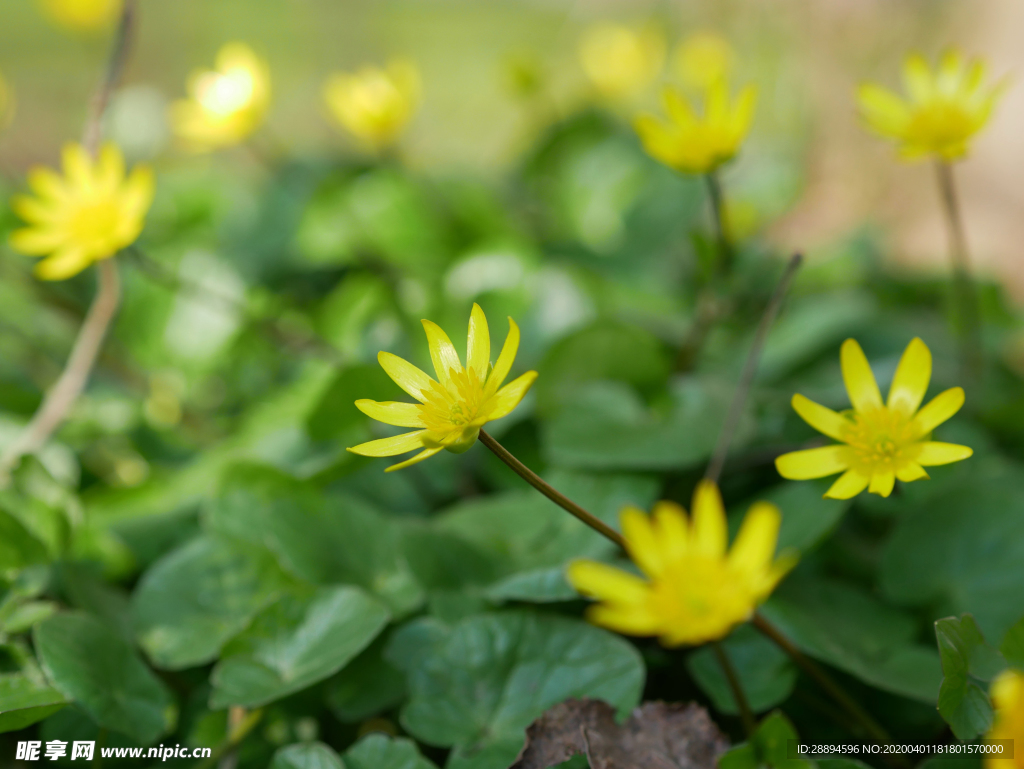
{"x": 941, "y": 122}
{"x": 879, "y": 438}
{"x": 225, "y": 93}
{"x": 454, "y": 410}
{"x": 701, "y": 597}
{"x": 95, "y": 222}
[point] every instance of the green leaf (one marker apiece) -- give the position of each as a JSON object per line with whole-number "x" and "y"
{"x": 194, "y": 599}
{"x": 965, "y": 658}
{"x": 842, "y": 626}
{"x": 771, "y": 742}
{"x": 478, "y": 684}
{"x": 307, "y": 755}
{"x": 606, "y": 427}
{"x": 18, "y": 548}
{"x": 606, "y": 350}
{"x": 95, "y": 667}
{"x": 321, "y": 539}
{"x": 766, "y": 674}
{"x": 24, "y": 702}
{"x": 962, "y": 548}
{"x": 527, "y": 540}
{"x": 29, "y": 614}
{"x": 1012, "y": 646}
{"x": 366, "y": 686}
{"x": 378, "y": 751}
{"x": 294, "y": 643}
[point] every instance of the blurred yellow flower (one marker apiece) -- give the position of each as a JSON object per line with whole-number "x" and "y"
{"x": 695, "y": 591}
{"x": 225, "y": 104}
{"x": 375, "y": 104}
{"x": 453, "y": 408}
{"x": 621, "y": 61}
{"x": 1007, "y": 694}
{"x": 703, "y": 59}
{"x": 880, "y": 442}
{"x": 944, "y": 110}
{"x": 82, "y": 15}
{"x": 698, "y": 144}
{"x": 90, "y": 213}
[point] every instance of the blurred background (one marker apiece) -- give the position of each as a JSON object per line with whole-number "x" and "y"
{"x": 806, "y": 56}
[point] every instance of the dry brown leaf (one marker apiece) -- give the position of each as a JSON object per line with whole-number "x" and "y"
{"x": 657, "y": 735}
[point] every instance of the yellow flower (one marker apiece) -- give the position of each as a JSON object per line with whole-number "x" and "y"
{"x": 703, "y": 59}
{"x": 880, "y": 442}
{"x": 621, "y": 61}
{"x": 225, "y": 104}
{"x": 945, "y": 108}
{"x": 452, "y": 409}
{"x": 90, "y": 213}
{"x": 374, "y": 104}
{"x": 1007, "y": 694}
{"x": 698, "y": 144}
{"x": 82, "y": 15}
{"x": 695, "y": 591}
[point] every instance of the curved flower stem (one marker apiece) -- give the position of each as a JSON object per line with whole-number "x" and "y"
{"x": 717, "y": 198}
{"x": 967, "y": 315}
{"x": 241, "y": 722}
{"x": 834, "y": 690}
{"x": 739, "y": 398}
{"x": 746, "y": 715}
{"x": 550, "y": 492}
{"x": 63, "y": 394}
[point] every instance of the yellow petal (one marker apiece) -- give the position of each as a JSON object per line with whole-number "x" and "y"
{"x": 405, "y": 375}
{"x": 606, "y": 583}
{"x": 918, "y": 78}
{"x": 47, "y": 184}
{"x": 743, "y": 111}
{"x": 912, "y": 376}
{"x": 882, "y": 482}
{"x": 389, "y": 447}
{"x": 950, "y": 73}
{"x": 632, "y": 620}
{"x": 822, "y": 419}
{"x": 850, "y": 484}
{"x": 885, "y": 112}
{"x": 442, "y": 352}
{"x": 509, "y": 396}
{"x": 425, "y": 454}
{"x": 641, "y": 541}
{"x": 478, "y": 343}
{"x": 36, "y": 210}
{"x": 36, "y": 241}
{"x": 755, "y": 544}
{"x": 1007, "y": 690}
{"x": 673, "y": 529}
{"x": 109, "y": 169}
{"x": 860, "y": 382}
{"x": 506, "y": 358}
{"x": 938, "y": 410}
{"x": 911, "y": 471}
{"x": 812, "y": 463}
{"x": 77, "y": 167}
{"x": 677, "y": 107}
{"x": 937, "y": 453}
{"x": 62, "y": 265}
{"x": 710, "y": 530}
{"x": 392, "y": 412}
{"x": 137, "y": 193}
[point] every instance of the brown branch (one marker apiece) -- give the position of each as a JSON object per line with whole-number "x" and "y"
{"x": 739, "y": 398}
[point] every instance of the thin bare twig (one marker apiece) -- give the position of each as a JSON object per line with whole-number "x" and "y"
{"x": 62, "y": 395}
{"x": 739, "y": 398}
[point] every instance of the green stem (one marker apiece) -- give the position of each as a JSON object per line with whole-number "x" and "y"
{"x": 967, "y": 314}
{"x": 550, "y": 492}
{"x": 725, "y": 252}
{"x": 834, "y": 690}
{"x": 746, "y": 715}
{"x": 237, "y": 732}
